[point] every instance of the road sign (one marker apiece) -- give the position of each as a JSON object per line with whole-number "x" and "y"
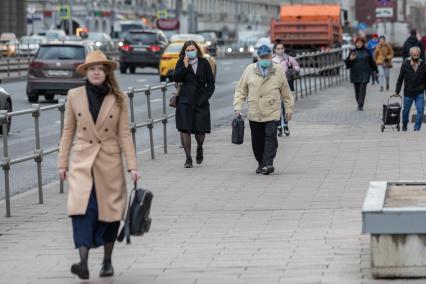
{"x": 384, "y": 12}
{"x": 162, "y": 14}
{"x": 64, "y": 12}
{"x": 31, "y": 10}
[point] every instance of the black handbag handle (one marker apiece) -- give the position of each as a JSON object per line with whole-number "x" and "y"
{"x": 125, "y": 231}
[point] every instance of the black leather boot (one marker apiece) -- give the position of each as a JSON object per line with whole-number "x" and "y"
{"x": 107, "y": 270}
{"x": 200, "y": 156}
{"x": 82, "y": 271}
{"x": 188, "y": 162}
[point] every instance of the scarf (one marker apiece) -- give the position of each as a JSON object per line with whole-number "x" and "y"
{"x": 96, "y": 95}
{"x": 194, "y": 64}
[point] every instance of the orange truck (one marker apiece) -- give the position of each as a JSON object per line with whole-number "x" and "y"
{"x": 308, "y": 27}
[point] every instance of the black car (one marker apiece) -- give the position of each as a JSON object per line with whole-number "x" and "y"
{"x": 5, "y": 104}
{"x": 141, "y": 48}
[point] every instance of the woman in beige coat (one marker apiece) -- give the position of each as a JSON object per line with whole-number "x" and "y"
{"x": 96, "y": 119}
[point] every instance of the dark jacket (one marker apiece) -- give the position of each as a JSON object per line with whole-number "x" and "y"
{"x": 193, "y": 107}
{"x": 362, "y": 66}
{"x": 412, "y": 41}
{"x": 414, "y": 82}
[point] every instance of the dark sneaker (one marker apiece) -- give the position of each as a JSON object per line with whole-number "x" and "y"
{"x": 381, "y": 89}
{"x": 107, "y": 270}
{"x": 199, "y": 158}
{"x": 259, "y": 169}
{"x": 286, "y": 130}
{"x": 280, "y": 132}
{"x": 404, "y": 128}
{"x": 268, "y": 170}
{"x": 80, "y": 270}
{"x": 360, "y": 108}
{"x": 188, "y": 163}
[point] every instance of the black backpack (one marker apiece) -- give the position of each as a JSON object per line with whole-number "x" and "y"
{"x": 137, "y": 220}
{"x": 238, "y": 130}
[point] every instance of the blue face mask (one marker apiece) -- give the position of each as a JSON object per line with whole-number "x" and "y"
{"x": 265, "y": 63}
{"x": 191, "y": 54}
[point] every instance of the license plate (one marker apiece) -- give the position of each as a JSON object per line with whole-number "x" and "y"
{"x": 58, "y": 73}
{"x": 140, "y": 49}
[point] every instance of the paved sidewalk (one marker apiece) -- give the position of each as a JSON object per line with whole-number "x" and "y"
{"x": 221, "y": 223}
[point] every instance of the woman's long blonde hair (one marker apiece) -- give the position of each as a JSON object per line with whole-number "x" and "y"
{"x": 113, "y": 85}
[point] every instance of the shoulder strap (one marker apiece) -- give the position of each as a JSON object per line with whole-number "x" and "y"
{"x": 125, "y": 231}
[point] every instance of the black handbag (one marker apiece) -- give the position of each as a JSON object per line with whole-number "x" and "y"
{"x": 137, "y": 220}
{"x": 238, "y": 130}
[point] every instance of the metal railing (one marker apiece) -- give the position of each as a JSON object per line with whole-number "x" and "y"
{"x": 319, "y": 70}
{"x": 36, "y": 111}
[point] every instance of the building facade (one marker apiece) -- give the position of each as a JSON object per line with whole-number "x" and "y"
{"x": 218, "y": 15}
{"x": 13, "y": 17}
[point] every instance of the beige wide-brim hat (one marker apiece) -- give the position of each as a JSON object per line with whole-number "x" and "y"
{"x": 93, "y": 58}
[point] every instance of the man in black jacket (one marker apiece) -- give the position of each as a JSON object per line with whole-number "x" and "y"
{"x": 412, "y": 41}
{"x": 413, "y": 75}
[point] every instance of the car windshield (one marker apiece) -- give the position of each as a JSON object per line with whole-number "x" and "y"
{"x": 31, "y": 40}
{"x": 4, "y": 41}
{"x": 128, "y": 27}
{"x": 53, "y": 35}
{"x": 144, "y": 38}
{"x": 95, "y": 36}
{"x": 61, "y": 52}
{"x": 174, "y": 48}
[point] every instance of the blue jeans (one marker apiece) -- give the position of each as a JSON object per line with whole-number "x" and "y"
{"x": 419, "y": 100}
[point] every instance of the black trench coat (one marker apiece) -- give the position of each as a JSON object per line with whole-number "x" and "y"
{"x": 193, "y": 107}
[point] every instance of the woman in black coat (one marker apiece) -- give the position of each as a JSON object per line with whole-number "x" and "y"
{"x": 362, "y": 65}
{"x": 193, "y": 108}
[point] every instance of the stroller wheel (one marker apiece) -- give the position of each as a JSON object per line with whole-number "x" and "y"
{"x": 383, "y": 128}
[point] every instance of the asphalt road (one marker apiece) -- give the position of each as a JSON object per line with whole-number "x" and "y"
{"x": 22, "y": 140}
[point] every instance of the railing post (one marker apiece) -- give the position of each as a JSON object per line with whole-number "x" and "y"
{"x": 151, "y": 124}
{"x": 6, "y": 160}
{"x": 8, "y": 62}
{"x": 61, "y": 109}
{"x": 38, "y": 151}
{"x": 131, "y": 95}
{"x": 164, "y": 121}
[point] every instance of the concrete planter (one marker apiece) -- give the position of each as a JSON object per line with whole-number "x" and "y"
{"x": 394, "y": 213}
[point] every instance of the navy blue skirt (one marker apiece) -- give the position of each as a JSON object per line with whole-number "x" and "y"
{"x": 88, "y": 231}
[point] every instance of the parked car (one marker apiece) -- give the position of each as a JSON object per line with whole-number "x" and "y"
{"x": 53, "y": 35}
{"x": 261, "y": 41}
{"x": 8, "y": 44}
{"x": 141, "y": 48}
{"x": 5, "y": 104}
{"x": 101, "y": 41}
{"x": 171, "y": 56}
{"x": 52, "y": 71}
{"x": 29, "y": 45}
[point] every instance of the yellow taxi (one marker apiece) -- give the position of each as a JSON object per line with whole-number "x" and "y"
{"x": 171, "y": 55}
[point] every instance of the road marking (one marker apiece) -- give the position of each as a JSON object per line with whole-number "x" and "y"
{"x": 58, "y": 122}
{"x": 227, "y": 68}
{"x": 227, "y": 63}
{"x": 156, "y": 100}
{"x": 142, "y": 80}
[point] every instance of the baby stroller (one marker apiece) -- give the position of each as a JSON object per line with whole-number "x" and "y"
{"x": 392, "y": 113}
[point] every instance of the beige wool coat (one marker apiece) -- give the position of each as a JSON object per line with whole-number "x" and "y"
{"x": 96, "y": 153}
{"x": 263, "y": 95}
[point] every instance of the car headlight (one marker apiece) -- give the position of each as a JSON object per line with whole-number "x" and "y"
{"x": 251, "y": 49}
{"x": 241, "y": 49}
{"x": 209, "y": 43}
{"x": 229, "y": 49}
{"x": 98, "y": 44}
{"x": 120, "y": 44}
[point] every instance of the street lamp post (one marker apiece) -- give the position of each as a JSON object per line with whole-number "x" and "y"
{"x": 70, "y": 29}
